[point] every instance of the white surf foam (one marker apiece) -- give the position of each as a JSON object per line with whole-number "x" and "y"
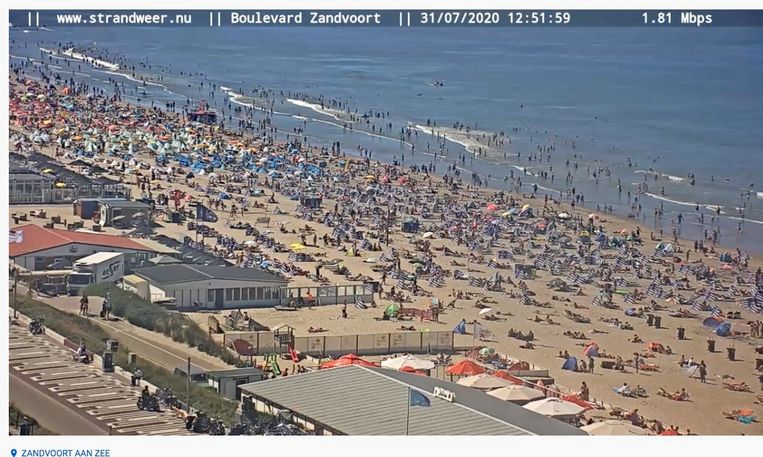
{"x": 664, "y": 175}
{"x": 336, "y": 114}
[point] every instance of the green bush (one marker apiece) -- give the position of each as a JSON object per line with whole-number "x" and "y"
{"x": 153, "y": 317}
{"x": 76, "y": 329}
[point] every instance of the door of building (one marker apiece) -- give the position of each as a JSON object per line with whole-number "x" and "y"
{"x": 219, "y": 298}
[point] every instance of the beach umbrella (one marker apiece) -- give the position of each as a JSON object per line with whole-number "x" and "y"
{"x": 483, "y": 381}
{"x": 485, "y": 311}
{"x": 297, "y": 246}
{"x": 712, "y": 322}
{"x": 492, "y": 207}
{"x": 614, "y": 427}
{"x": 465, "y": 368}
{"x": 563, "y": 216}
{"x": 407, "y": 361}
{"x": 428, "y": 235}
{"x": 593, "y": 216}
{"x": 591, "y": 350}
{"x": 516, "y": 393}
{"x": 348, "y": 359}
{"x": 486, "y": 352}
{"x": 724, "y": 329}
{"x": 408, "y": 369}
{"x": 392, "y": 310}
{"x": 554, "y": 407}
{"x": 669, "y": 432}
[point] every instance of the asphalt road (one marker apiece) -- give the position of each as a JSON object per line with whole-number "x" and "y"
{"x": 49, "y": 412}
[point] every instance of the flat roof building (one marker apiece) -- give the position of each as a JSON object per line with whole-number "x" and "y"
{"x": 216, "y": 287}
{"x": 356, "y": 400}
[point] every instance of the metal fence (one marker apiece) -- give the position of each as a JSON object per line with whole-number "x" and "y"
{"x": 329, "y": 295}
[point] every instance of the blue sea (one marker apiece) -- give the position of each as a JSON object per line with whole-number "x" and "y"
{"x": 674, "y": 101}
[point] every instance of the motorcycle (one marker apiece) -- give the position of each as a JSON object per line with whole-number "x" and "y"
{"x": 217, "y": 427}
{"x": 37, "y": 327}
{"x": 201, "y": 424}
{"x": 149, "y": 403}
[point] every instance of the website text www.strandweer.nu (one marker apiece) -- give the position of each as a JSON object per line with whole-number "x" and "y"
{"x": 124, "y": 18}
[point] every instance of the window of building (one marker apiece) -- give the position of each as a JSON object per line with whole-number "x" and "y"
{"x": 252, "y": 293}
{"x": 228, "y": 294}
{"x": 259, "y": 293}
{"x": 276, "y": 292}
{"x": 210, "y": 296}
{"x": 244, "y": 293}
{"x": 236, "y": 294}
{"x": 268, "y": 293}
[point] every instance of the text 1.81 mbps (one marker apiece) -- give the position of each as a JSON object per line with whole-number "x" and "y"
{"x": 666, "y": 18}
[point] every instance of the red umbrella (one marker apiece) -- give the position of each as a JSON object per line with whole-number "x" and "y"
{"x": 670, "y": 432}
{"x": 465, "y": 368}
{"x": 409, "y": 369}
{"x": 492, "y": 207}
{"x": 349, "y": 359}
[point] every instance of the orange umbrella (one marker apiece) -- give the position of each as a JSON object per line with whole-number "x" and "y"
{"x": 465, "y": 368}
{"x": 670, "y": 432}
{"x": 349, "y": 359}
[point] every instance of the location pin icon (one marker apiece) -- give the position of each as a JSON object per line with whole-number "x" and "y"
{"x": 13, "y": 452}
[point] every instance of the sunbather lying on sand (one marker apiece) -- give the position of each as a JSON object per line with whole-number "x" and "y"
{"x": 680, "y": 395}
{"x": 316, "y": 330}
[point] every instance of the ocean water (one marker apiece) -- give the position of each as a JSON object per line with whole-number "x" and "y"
{"x": 675, "y": 101}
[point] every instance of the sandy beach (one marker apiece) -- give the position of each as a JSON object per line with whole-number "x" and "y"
{"x": 459, "y": 218}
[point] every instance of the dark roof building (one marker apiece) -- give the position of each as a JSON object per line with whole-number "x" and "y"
{"x": 216, "y": 287}
{"x": 355, "y": 400}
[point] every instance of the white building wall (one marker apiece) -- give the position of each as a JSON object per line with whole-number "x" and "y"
{"x": 188, "y": 292}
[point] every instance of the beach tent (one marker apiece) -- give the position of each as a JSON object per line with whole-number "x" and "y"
{"x": 407, "y": 361}
{"x": 612, "y": 427}
{"x": 392, "y": 310}
{"x": 724, "y": 329}
{"x": 515, "y": 393}
{"x": 465, "y": 368}
{"x": 725, "y": 257}
{"x": 712, "y": 322}
{"x": 630, "y": 312}
{"x": 348, "y": 359}
{"x": 554, "y": 407}
{"x": 483, "y": 381}
{"x": 591, "y": 350}
{"x": 460, "y": 328}
{"x": 570, "y": 364}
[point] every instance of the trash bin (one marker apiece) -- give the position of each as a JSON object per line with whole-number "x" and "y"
{"x": 731, "y": 353}
{"x": 26, "y": 428}
{"x": 650, "y": 319}
{"x": 108, "y": 362}
{"x": 657, "y": 321}
{"x": 681, "y": 333}
{"x": 710, "y": 345}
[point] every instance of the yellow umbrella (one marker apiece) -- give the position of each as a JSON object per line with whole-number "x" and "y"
{"x": 60, "y": 184}
{"x": 297, "y": 246}
{"x": 525, "y": 208}
{"x": 47, "y": 170}
{"x": 506, "y": 214}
